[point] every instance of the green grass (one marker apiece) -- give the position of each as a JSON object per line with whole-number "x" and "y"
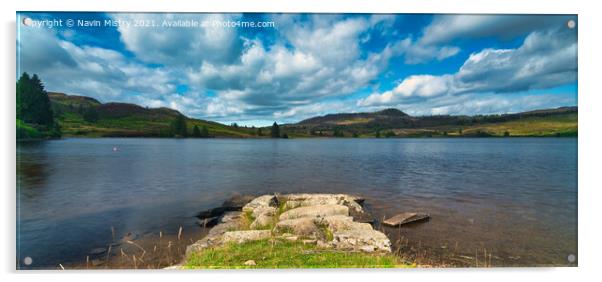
{"x": 560, "y": 125}
{"x": 286, "y": 254}
{"x": 25, "y": 131}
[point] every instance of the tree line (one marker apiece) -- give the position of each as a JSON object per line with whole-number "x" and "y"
{"x": 179, "y": 128}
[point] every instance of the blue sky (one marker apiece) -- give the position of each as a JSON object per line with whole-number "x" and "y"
{"x": 308, "y": 64}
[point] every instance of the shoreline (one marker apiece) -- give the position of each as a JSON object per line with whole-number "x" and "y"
{"x": 304, "y": 138}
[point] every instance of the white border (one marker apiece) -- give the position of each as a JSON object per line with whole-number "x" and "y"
{"x": 589, "y": 133}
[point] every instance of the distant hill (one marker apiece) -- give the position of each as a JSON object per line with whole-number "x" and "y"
{"x": 87, "y": 117}
{"x": 388, "y": 115}
{"x": 395, "y": 123}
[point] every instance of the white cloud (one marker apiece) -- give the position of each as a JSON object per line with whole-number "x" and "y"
{"x": 446, "y": 28}
{"x": 178, "y": 45}
{"x": 91, "y": 71}
{"x": 416, "y": 52}
{"x": 545, "y": 60}
{"x": 314, "y": 60}
{"x": 298, "y": 70}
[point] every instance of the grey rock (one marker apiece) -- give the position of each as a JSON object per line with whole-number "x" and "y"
{"x": 405, "y": 218}
{"x": 315, "y": 211}
{"x": 337, "y": 223}
{"x": 261, "y": 201}
{"x": 246, "y": 236}
{"x": 303, "y": 200}
{"x": 298, "y": 226}
{"x": 262, "y": 221}
{"x": 250, "y": 263}
{"x": 356, "y": 239}
{"x": 259, "y": 211}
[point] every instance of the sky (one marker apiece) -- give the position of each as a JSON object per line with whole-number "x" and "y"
{"x": 296, "y": 66}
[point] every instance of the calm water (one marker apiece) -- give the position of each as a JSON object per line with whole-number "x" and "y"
{"x": 515, "y": 198}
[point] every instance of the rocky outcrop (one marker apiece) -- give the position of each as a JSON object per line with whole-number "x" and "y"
{"x": 327, "y": 220}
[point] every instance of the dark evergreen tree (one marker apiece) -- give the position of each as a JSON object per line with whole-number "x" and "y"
{"x": 178, "y": 127}
{"x": 204, "y": 132}
{"x": 33, "y": 104}
{"x": 275, "y": 132}
{"x": 196, "y": 132}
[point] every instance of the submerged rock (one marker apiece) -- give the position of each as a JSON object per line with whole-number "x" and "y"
{"x": 216, "y": 212}
{"x": 208, "y": 222}
{"x": 98, "y": 251}
{"x": 406, "y": 217}
{"x": 235, "y": 203}
{"x": 238, "y": 201}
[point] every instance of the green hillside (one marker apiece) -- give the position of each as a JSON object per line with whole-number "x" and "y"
{"x": 394, "y": 123}
{"x": 86, "y": 117}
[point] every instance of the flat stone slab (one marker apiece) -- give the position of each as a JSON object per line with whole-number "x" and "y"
{"x": 303, "y": 200}
{"x": 315, "y": 211}
{"x": 405, "y": 218}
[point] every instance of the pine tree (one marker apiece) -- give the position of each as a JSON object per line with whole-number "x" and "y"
{"x": 196, "y": 132}
{"x": 33, "y": 104}
{"x": 275, "y": 132}
{"x": 178, "y": 127}
{"x": 204, "y": 132}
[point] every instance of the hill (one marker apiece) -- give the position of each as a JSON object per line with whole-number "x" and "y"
{"x": 87, "y": 117}
{"x": 394, "y": 123}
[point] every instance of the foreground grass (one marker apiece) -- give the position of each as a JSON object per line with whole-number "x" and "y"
{"x": 286, "y": 254}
